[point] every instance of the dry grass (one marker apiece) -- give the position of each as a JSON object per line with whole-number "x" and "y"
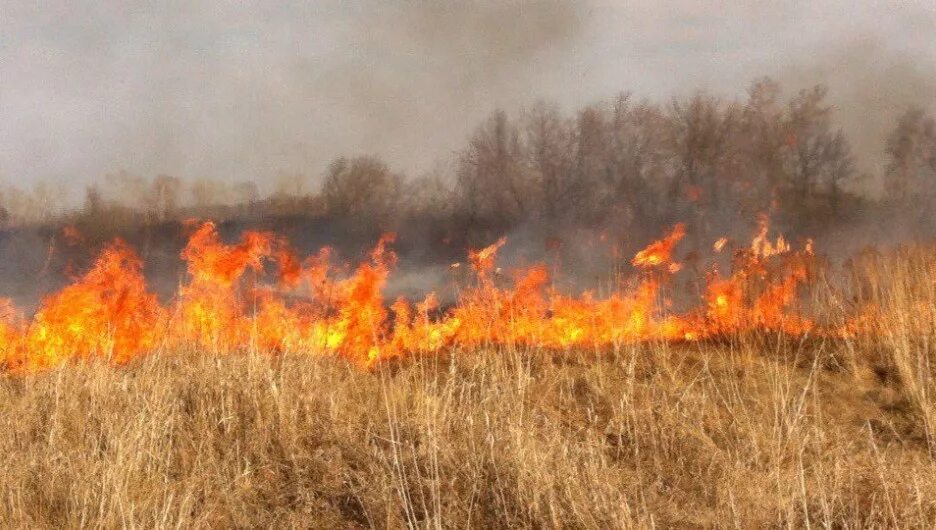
{"x": 718, "y": 436}
{"x": 748, "y": 433}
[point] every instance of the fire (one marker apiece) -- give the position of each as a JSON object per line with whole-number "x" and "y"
{"x": 720, "y": 244}
{"x": 659, "y": 252}
{"x": 257, "y": 295}
{"x": 106, "y": 313}
{"x": 762, "y": 246}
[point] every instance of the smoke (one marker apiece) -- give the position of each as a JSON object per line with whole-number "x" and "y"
{"x": 419, "y": 73}
{"x": 242, "y": 92}
{"x": 871, "y": 83}
{"x": 221, "y": 93}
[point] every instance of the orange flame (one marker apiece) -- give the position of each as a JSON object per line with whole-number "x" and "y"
{"x": 257, "y": 295}
{"x": 660, "y": 252}
{"x": 106, "y": 313}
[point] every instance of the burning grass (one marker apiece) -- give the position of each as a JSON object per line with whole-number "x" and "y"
{"x": 783, "y": 397}
{"x": 258, "y": 295}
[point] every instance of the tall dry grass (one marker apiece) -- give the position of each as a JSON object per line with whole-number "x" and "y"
{"x": 752, "y": 432}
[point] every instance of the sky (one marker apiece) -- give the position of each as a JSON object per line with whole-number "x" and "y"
{"x": 246, "y": 90}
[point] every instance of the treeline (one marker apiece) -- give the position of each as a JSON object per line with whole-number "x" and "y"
{"x": 626, "y": 166}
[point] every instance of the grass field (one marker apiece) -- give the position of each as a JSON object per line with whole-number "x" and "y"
{"x": 755, "y": 433}
{"x": 750, "y": 430}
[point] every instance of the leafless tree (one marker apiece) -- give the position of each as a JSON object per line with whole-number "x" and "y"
{"x": 492, "y": 181}
{"x": 816, "y": 151}
{"x": 701, "y": 129}
{"x": 362, "y": 187}
{"x": 548, "y": 141}
{"x": 165, "y": 196}
{"x": 911, "y": 158}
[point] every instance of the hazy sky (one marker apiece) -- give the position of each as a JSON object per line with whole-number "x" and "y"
{"x": 243, "y": 90}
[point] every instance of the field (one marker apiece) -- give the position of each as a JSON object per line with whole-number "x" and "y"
{"x": 477, "y": 264}
{"x": 750, "y": 431}
{"x": 736, "y": 435}
{"x": 742, "y": 413}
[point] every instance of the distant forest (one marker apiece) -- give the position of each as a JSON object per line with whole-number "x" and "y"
{"x": 627, "y": 167}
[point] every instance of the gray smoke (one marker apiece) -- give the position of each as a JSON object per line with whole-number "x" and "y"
{"x": 246, "y": 91}
{"x": 871, "y": 83}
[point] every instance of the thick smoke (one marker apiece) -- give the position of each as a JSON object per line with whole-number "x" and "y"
{"x": 237, "y": 92}
{"x": 417, "y": 73}
{"x": 871, "y": 83}
{"x": 240, "y": 111}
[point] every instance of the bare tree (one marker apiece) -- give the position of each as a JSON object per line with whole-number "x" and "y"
{"x": 291, "y": 184}
{"x": 911, "y": 158}
{"x": 364, "y": 187}
{"x": 547, "y": 141}
{"x": 818, "y": 157}
{"x": 590, "y": 163}
{"x": 165, "y": 196}
{"x": 246, "y": 193}
{"x": 839, "y": 168}
{"x": 94, "y": 200}
{"x": 761, "y": 139}
{"x": 208, "y": 192}
{"x": 128, "y": 190}
{"x": 492, "y": 182}
{"x": 701, "y": 129}
{"x": 637, "y": 157}
{"x": 428, "y": 195}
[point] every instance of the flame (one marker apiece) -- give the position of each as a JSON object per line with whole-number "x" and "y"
{"x": 106, "y": 313}
{"x": 761, "y": 246}
{"x": 720, "y": 244}
{"x": 660, "y": 252}
{"x": 257, "y": 295}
